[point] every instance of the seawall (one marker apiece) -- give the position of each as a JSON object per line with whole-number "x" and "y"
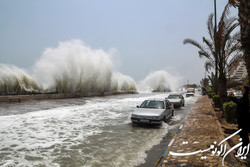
{"x": 20, "y": 98}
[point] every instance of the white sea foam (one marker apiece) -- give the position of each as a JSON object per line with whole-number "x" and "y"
{"x": 100, "y": 130}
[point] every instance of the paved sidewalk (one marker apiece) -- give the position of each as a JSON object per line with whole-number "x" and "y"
{"x": 200, "y": 130}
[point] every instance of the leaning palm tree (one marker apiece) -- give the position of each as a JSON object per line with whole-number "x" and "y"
{"x": 244, "y": 19}
{"x": 220, "y": 49}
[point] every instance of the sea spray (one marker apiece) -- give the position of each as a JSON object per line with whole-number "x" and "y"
{"x": 160, "y": 81}
{"x": 14, "y": 80}
{"x": 122, "y": 82}
{"x": 74, "y": 67}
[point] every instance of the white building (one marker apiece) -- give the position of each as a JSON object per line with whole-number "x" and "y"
{"x": 238, "y": 71}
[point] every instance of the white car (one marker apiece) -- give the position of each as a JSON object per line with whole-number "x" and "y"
{"x": 190, "y": 92}
{"x": 153, "y": 111}
{"x": 177, "y": 100}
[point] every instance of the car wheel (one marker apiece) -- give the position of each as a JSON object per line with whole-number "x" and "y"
{"x": 165, "y": 119}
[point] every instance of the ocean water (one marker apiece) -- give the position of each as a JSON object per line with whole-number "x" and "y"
{"x": 87, "y": 132}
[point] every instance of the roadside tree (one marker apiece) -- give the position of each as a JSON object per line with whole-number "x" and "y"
{"x": 244, "y": 19}
{"x": 220, "y": 49}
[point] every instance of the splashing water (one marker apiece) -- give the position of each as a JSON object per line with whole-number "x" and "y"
{"x": 14, "y": 80}
{"x": 122, "y": 82}
{"x": 72, "y": 67}
{"x": 160, "y": 81}
{"x": 75, "y": 67}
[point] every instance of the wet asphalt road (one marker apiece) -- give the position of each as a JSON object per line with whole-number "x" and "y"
{"x": 157, "y": 151}
{"x": 93, "y": 131}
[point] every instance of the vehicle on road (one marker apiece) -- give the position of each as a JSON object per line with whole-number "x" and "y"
{"x": 177, "y": 100}
{"x": 190, "y": 92}
{"x": 238, "y": 95}
{"x": 153, "y": 111}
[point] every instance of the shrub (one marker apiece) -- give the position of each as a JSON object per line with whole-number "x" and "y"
{"x": 216, "y": 100}
{"x": 229, "y": 112}
{"x": 210, "y": 93}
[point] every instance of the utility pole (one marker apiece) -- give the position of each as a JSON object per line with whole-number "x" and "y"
{"x": 216, "y": 51}
{"x": 215, "y": 17}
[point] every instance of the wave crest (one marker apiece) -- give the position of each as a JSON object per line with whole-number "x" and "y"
{"x": 14, "y": 80}
{"x": 73, "y": 67}
{"x": 160, "y": 81}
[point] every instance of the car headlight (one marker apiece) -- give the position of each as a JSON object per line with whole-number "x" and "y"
{"x": 156, "y": 117}
{"x": 134, "y": 116}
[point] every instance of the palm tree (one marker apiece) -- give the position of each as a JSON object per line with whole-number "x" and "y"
{"x": 219, "y": 49}
{"x": 244, "y": 19}
{"x": 207, "y": 51}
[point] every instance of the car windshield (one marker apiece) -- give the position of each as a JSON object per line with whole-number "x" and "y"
{"x": 152, "y": 104}
{"x": 238, "y": 93}
{"x": 174, "y": 97}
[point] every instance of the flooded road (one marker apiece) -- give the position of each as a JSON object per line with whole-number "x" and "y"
{"x": 80, "y": 132}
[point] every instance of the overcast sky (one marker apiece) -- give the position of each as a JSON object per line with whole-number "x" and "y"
{"x": 147, "y": 34}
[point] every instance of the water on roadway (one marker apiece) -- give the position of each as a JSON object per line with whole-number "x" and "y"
{"x": 90, "y": 132}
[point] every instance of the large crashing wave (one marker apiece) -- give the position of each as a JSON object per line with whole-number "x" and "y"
{"x": 14, "y": 80}
{"x": 122, "y": 82}
{"x": 160, "y": 81}
{"x": 73, "y": 67}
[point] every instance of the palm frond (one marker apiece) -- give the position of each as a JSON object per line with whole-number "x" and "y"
{"x": 234, "y": 61}
{"x": 203, "y": 53}
{"x": 209, "y": 44}
{"x": 225, "y": 13}
{"x": 227, "y": 36}
{"x": 192, "y": 42}
{"x": 208, "y": 65}
{"x": 222, "y": 26}
{"x": 210, "y": 26}
{"x": 233, "y": 40}
{"x": 236, "y": 47}
{"x": 235, "y": 3}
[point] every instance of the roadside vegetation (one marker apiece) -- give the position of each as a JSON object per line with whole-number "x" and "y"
{"x": 220, "y": 50}
{"x": 228, "y": 43}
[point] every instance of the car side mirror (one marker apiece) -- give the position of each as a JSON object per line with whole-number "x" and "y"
{"x": 138, "y": 106}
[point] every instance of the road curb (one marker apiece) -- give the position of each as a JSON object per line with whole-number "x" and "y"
{"x": 169, "y": 144}
{"x": 200, "y": 115}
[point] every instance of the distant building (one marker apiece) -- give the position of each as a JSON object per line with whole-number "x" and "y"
{"x": 237, "y": 71}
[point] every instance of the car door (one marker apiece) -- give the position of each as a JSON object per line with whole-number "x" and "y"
{"x": 168, "y": 109}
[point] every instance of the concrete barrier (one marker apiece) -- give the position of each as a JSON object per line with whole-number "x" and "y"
{"x": 19, "y": 98}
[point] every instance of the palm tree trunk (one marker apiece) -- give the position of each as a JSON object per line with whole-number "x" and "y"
{"x": 244, "y": 18}
{"x": 222, "y": 88}
{"x": 222, "y": 79}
